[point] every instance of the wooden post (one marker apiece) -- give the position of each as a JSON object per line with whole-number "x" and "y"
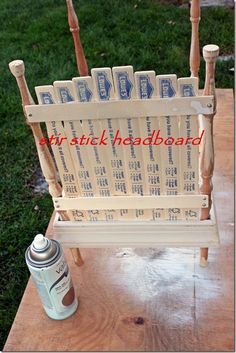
{"x": 17, "y": 68}
{"x": 194, "y": 59}
{"x": 74, "y": 28}
{"x": 210, "y": 54}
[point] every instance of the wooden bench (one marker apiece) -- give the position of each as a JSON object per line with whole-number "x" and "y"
{"x": 134, "y": 299}
{"x": 125, "y": 193}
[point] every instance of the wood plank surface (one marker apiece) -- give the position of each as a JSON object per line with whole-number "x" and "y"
{"x": 148, "y": 299}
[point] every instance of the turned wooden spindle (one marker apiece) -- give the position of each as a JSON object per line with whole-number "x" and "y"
{"x": 17, "y": 68}
{"x": 74, "y": 28}
{"x": 210, "y": 54}
{"x": 194, "y": 59}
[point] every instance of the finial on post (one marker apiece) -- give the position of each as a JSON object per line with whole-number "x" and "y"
{"x": 74, "y": 28}
{"x": 17, "y": 68}
{"x": 194, "y": 59}
{"x": 210, "y": 54}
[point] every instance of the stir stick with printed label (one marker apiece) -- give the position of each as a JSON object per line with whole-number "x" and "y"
{"x": 145, "y": 83}
{"x": 169, "y": 130}
{"x": 125, "y": 89}
{"x": 189, "y": 166}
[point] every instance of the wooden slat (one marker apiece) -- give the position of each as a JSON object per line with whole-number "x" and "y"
{"x": 119, "y": 202}
{"x": 145, "y": 82}
{"x": 166, "y": 89}
{"x": 189, "y": 154}
{"x": 132, "y": 234}
{"x": 121, "y": 109}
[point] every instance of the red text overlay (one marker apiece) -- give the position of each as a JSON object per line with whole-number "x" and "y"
{"x": 154, "y": 139}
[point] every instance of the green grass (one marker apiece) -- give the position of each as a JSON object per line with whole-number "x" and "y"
{"x": 147, "y": 36}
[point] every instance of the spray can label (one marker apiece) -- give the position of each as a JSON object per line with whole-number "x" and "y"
{"x": 54, "y": 285}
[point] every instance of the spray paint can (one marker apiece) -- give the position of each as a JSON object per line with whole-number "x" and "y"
{"x": 51, "y": 276}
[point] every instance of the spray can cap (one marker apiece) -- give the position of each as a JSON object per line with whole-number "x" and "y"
{"x": 42, "y": 250}
{"x": 39, "y": 242}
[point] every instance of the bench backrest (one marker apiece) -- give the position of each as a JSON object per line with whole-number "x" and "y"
{"x": 125, "y": 134}
{"x": 179, "y": 176}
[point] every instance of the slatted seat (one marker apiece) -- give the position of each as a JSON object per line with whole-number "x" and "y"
{"x": 134, "y": 153}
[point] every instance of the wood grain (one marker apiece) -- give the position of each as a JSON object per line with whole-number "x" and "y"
{"x": 148, "y": 299}
{"x": 210, "y": 53}
{"x": 145, "y": 82}
{"x": 74, "y": 28}
{"x": 194, "y": 58}
{"x": 17, "y": 68}
{"x": 189, "y": 155}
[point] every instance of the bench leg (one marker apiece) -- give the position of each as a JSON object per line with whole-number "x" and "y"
{"x": 78, "y": 260}
{"x": 203, "y": 257}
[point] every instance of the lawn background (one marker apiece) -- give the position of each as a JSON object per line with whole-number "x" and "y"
{"x": 145, "y": 34}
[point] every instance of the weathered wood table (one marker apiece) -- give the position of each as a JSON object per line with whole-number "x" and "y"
{"x": 148, "y": 299}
